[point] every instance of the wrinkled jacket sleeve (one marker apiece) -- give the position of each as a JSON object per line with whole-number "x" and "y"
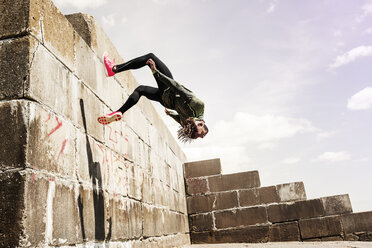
{"x": 174, "y": 115}
{"x": 172, "y": 83}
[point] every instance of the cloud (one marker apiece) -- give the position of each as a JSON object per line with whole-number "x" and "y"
{"x": 367, "y": 10}
{"x": 291, "y": 160}
{"x": 333, "y": 157}
{"x": 80, "y": 4}
{"x": 109, "y": 21}
{"x": 232, "y": 140}
{"x": 272, "y": 6}
{"x": 361, "y": 100}
{"x": 353, "y": 54}
{"x": 324, "y": 135}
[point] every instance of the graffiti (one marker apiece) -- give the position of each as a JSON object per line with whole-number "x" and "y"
{"x": 59, "y": 124}
{"x": 63, "y": 147}
{"x": 54, "y": 129}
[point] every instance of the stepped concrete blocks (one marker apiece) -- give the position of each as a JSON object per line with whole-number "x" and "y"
{"x": 320, "y": 227}
{"x": 338, "y": 204}
{"x": 201, "y": 222}
{"x": 12, "y": 78}
{"x": 291, "y": 191}
{"x": 226, "y": 200}
{"x": 240, "y": 217}
{"x": 295, "y": 211}
{"x": 284, "y": 232}
{"x": 55, "y": 139}
{"x": 202, "y": 168}
{"x": 14, "y": 124}
{"x": 258, "y": 196}
{"x": 243, "y": 180}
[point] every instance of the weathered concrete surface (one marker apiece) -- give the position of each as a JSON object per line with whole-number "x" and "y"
{"x": 202, "y": 168}
{"x": 67, "y": 179}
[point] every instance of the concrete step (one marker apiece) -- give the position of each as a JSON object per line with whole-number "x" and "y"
{"x": 203, "y": 168}
{"x": 222, "y": 183}
{"x": 246, "y": 197}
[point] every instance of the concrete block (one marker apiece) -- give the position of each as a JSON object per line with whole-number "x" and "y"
{"x": 115, "y": 172}
{"x": 15, "y": 55}
{"x": 51, "y": 142}
{"x": 153, "y": 221}
{"x": 11, "y": 208}
{"x": 117, "y": 218}
{"x": 226, "y": 200}
{"x": 90, "y": 159}
{"x": 35, "y": 201}
{"x": 13, "y": 135}
{"x": 357, "y": 222}
{"x": 284, "y": 232}
{"x": 55, "y": 26}
{"x": 320, "y": 227}
{"x": 89, "y": 208}
{"x": 89, "y": 109}
{"x": 135, "y": 180}
{"x": 197, "y": 186}
{"x": 147, "y": 189}
{"x": 200, "y": 203}
{"x": 136, "y": 219}
{"x": 258, "y": 196}
{"x": 21, "y": 18}
{"x": 137, "y": 121}
{"x": 243, "y": 180}
{"x": 64, "y": 225}
{"x": 334, "y": 238}
{"x": 240, "y": 217}
{"x": 338, "y": 204}
{"x": 53, "y": 85}
{"x": 291, "y": 191}
{"x": 201, "y": 222}
{"x": 295, "y": 211}
{"x": 202, "y": 168}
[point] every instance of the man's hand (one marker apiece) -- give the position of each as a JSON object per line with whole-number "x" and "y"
{"x": 151, "y": 63}
{"x": 166, "y": 111}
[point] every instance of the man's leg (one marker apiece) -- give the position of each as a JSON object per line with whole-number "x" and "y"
{"x": 141, "y": 62}
{"x": 151, "y": 93}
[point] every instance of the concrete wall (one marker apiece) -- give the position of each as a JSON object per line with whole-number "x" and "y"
{"x": 235, "y": 208}
{"x": 65, "y": 179}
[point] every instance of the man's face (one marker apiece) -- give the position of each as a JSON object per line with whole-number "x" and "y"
{"x": 201, "y": 130}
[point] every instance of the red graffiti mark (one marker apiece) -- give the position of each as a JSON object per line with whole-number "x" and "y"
{"x": 48, "y": 118}
{"x": 59, "y": 124}
{"x": 110, "y": 138}
{"x": 51, "y": 179}
{"x": 63, "y": 148}
{"x": 33, "y": 178}
{"x": 126, "y": 138}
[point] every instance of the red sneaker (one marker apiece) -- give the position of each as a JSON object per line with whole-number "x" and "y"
{"x": 107, "y": 119}
{"x": 108, "y": 65}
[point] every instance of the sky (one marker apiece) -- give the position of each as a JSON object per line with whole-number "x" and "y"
{"x": 286, "y": 84}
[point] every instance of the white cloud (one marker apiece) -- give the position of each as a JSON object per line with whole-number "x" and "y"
{"x": 367, "y": 10}
{"x": 123, "y": 20}
{"x": 272, "y": 6}
{"x": 337, "y": 33}
{"x": 80, "y": 4}
{"x": 109, "y": 21}
{"x": 324, "y": 135}
{"x": 267, "y": 146}
{"x": 353, "y": 54}
{"x": 361, "y": 100}
{"x": 333, "y": 157}
{"x": 291, "y": 160}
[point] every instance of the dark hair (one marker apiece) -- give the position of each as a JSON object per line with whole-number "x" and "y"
{"x": 188, "y": 130}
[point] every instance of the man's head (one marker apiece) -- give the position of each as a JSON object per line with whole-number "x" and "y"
{"x": 192, "y": 129}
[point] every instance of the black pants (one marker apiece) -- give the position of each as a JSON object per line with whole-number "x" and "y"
{"x": 151, "y": 93}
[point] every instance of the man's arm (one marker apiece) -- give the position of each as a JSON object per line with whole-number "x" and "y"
{"x": 174, "y": 115}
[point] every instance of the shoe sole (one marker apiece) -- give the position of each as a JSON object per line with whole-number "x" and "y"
{"x": 105, "y": 120}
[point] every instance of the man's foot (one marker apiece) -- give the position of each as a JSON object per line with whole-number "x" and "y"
{"x": 107, "y": 119}
{"x": 109, "y": 65}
